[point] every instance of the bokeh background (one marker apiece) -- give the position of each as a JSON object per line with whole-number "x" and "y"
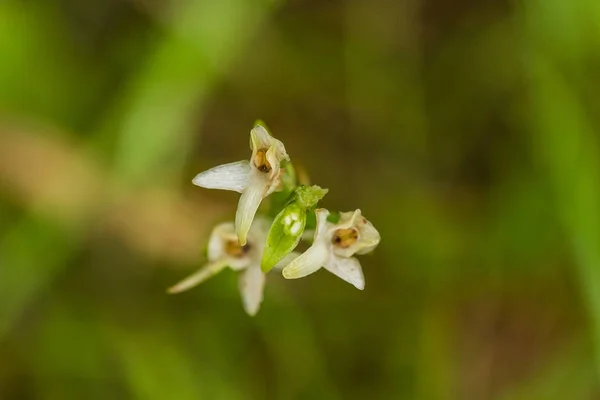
{"x": 465, "y": 130}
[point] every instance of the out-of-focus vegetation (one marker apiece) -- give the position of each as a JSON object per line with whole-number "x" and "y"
{"x": 467, "y": 132}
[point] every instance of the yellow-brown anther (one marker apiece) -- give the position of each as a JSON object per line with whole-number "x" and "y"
{"x": 345, "y": 238}
{"x": 233, "y": 248}
{"x": 260, "y": 161}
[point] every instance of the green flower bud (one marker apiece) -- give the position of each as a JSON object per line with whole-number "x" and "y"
{"x": 284, "y": 235}
{"x": 288, "y": 226}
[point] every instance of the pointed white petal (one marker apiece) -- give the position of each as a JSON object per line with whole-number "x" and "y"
{"x": 321, "y": 231}
{"x": 260, "y": 138}
{"x": 286, "y": 260}
{"x": 348, "y": 269}
{"x": 275, "y": 174}
{"x": 218, "y": 238}
{"x": 233, "y": 176}
{"x": 224, "y": 239}
{"x": 277, "y": 154}
{"x": 247, "y": 206}
{"x": 369, "y": 238}
{"x": 316, "y": 256}
{"x": 310, "y": 261}
{"x": 198, "y": 277}
{"x": 349, "y": 219}
{"x": 251, "y": 284}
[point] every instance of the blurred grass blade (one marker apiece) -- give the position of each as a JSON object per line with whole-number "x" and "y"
{"x": 557, "y": 47}
{"x": 154, "y": 131}
{"x": 566, "y": 144}
{"x": 30, "y": 255}
{"x": 157, "y": 369}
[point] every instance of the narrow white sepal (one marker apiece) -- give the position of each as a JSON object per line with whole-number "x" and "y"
{"x": 260, "y": 138}
{"x": 247, "y": 206}
{"x": 286, "y": 260}
{"x": 307, "y": 263}
{"x": 220, "y": 234}
{"x": 233, "y": 176}
{"x": 251, "y": 285}
{"x": 348, "y": 269}
{"x": 199, "y": 276}
{"x": 369, "y": 238}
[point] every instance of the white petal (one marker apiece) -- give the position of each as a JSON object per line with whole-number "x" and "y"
{"x": 219, "y": 236}
{"x": 369, "y": 238}
{"x": 251, "y": 284}
{"x": 321, "y": 232}
{"x": 275, "y": 175}
{"x": 247, "y": 206}
{"x": 348, "y": 269}
{"x": 233, "y": 176}
{"x": 349, "y": 219}
{"x": 217, "y": 246}
{"x": 286, "y": 260}
{"x": 277, "y": 154}
{"x": 260, "y": 138}
{"x": 198, "y": 277}
{"x": 307, "y": 263}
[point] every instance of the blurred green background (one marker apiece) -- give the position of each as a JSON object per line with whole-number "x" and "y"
{"x": 466, "y": 132}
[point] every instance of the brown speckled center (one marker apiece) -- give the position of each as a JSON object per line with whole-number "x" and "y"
{"x": 260, "y": 161}
{"x": 345, "y": 238}
{"x": 233, "y": 248}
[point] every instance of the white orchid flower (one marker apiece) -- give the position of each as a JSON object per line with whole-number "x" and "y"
{"x": 254, "y": 179}
{"x": 333, "y": 248}
{"x": 224, "y": 251}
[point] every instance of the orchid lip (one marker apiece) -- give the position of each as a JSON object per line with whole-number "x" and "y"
{"x": 333, "y": 248}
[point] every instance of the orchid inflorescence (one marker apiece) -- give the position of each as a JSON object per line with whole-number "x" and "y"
{"x": 254, "y": 245}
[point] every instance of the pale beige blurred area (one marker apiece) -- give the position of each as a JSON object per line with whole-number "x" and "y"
{"x": 49, "y": 174}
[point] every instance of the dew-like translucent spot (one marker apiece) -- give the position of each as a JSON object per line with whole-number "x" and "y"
{"x": 295, "y": 228}
{"x": 292, "y": 223}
